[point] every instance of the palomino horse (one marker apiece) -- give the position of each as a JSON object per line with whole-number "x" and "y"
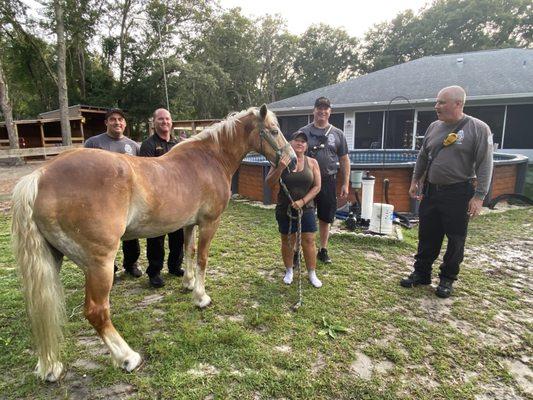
{"x": 83, "y": 202}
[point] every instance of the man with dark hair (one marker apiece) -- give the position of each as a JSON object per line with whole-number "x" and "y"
{"x": 327, "y": 144}
{"x": 156, "y": 145}
{"x": 114, "y": 140}
{"x": 456, "y": 149}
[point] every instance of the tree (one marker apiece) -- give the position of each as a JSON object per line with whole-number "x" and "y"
{"x": 227, "y": 58}
{"x": 324, "y": 55}
{"x": 7, "y": 111}
{"x": 449, "y": 26}
{"x": 62, "y": 75}
{"x": 276, "y": 48}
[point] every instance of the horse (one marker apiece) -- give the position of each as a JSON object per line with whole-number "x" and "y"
{"x": 83, "y": 202}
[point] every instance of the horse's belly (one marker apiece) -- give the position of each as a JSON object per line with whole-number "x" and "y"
{"x": 149, "y": 229}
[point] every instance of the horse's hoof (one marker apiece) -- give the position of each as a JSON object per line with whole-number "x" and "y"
{"x": 203, "y": 302}
{"x": 52, "y": 375}
{"x": 132, "y": 362}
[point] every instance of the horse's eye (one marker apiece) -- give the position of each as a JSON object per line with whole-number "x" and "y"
{"x": 274, "y": 132}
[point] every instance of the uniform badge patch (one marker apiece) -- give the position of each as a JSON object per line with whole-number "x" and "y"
{"x": 460, "y": 137}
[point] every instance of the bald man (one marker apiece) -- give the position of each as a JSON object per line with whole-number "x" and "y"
{"x": 456, "y": 149}
{"x": 157, "y": 145}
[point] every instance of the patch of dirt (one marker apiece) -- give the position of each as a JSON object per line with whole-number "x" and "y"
{"x": 94, "y": 344}
{"x": 118, "y": 391}
{"x": 86, "y": 365}
{"x": 319, "y": 364}
{"x": 78, "y": 387}
{"x": 498, "y": 392}
{"x": 522, "y": 374}
{"x": 362, "y": 366}
{"x": 283, "y": 349}
{"x": 233, "y": 318}
{"x": 436, "y": 309}
{"x": 9, "y": 176}
{"x": 202, "y": 370}
{"x": 151, "y": 299}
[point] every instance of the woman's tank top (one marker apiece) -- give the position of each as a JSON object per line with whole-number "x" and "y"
{"x": 298, "y": 183}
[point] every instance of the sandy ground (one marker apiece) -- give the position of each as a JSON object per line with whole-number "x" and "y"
{"x": 9, "y": 175}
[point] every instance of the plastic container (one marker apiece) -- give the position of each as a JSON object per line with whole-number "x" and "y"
{"x": 382, "y": 216}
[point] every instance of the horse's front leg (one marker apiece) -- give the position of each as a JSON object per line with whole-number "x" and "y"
{"x": 206, "y": 232}
{"x": 188, "y": 242}
{"x": 98, "y": 282}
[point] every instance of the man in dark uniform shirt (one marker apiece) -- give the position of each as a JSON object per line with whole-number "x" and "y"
{"x": 114, "y": 140}
{"x": 156, "y": 145}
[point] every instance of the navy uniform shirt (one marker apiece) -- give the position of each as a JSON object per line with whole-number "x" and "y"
{"x": 154, "y": 146}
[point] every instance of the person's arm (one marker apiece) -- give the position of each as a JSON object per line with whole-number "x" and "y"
{"x": 275, "y": 172}
{"x": 419, "y": 170}
{"x": 311, "y": 194}
{"x": 344, "y": 164}
{"x": 484, "y": 167}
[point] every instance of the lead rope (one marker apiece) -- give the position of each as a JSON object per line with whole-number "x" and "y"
{"x": 299, "y": 303}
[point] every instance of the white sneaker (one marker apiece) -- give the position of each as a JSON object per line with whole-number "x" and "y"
{"x": 288, "y": 276}
{"x": 313, "y": 279}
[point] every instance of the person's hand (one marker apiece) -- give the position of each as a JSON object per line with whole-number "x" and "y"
{"x": 298, "y": 204}
{"x": 344, "y": 191}
{"x": 413, "y": 191}
{"x": 474, "y": 206}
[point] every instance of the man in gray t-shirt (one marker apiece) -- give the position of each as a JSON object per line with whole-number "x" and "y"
{"x": 328, "y": 146}
{"x": 113, "y": 139}
{"x": 456, "y": 149}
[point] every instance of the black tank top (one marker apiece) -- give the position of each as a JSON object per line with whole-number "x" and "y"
{"x": 298, "y": 183}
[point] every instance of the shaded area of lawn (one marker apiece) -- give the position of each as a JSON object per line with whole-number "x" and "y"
{"x": 249, "y": 344}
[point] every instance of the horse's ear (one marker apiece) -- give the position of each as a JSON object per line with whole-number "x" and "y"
{"x": 263, "y": 112}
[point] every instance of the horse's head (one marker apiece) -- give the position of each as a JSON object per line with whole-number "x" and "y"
{"x": 270, "y": 142}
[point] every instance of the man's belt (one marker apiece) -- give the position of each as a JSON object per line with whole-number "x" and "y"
{"x": 438, "y": 187}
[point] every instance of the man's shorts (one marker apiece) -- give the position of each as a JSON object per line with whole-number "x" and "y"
{"x": 326, "y": 199}
{"x": 308, "y": 221}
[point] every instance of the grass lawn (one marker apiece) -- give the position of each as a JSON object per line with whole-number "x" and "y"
{"x": 399, "y": 343}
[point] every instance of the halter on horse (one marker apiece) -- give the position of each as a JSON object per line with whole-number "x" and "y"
{"x": 83, "y": 202}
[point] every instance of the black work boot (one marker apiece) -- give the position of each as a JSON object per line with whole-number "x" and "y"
{"x": 156, "y": 281}
{"x": 415, "y": 279}
{"x": 133, "y": 270}
{"x": 178, "y": 271}
{"x": 445, "y": 289}
{"x": 322, "y": 255}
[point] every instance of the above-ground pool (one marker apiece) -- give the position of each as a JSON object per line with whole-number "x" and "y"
{"x": 394, "y": 165}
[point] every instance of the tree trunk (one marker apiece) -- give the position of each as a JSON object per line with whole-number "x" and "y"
{"x": 62, "y": 75}
{"x": 8, "y": 115}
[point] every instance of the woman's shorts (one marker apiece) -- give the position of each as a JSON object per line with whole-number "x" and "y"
{"x": 308, "y": 221}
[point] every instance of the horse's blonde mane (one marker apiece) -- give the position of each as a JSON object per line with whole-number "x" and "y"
{"x": 226, "y": 128}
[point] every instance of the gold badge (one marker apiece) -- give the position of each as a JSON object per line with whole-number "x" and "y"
{"x": 450, "y": 139}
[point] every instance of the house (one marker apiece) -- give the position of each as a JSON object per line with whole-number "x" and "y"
{"x": 498, "y": 83}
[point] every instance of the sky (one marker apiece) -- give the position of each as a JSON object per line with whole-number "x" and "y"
{"x": 355, "y": 16}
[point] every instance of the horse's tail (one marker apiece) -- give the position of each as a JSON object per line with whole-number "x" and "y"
{"x": 39, "y": 270}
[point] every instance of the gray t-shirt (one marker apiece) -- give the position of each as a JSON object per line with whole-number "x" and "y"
{"x": 334, "y": 147}
{"x": 123, "y": 145}
{"x": 469, "y": 157}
